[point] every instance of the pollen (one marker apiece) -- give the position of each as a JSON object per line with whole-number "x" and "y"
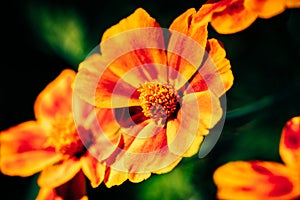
{"x": 158, "y": 101}
{"x": 64, "y": 138}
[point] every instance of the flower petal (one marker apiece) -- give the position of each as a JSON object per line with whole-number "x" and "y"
{"x": 139, "y": 19}
{"x": 56, "y": 98}
{"x": 138, "y": 177}
{"x": 135, "y": 49}
{"x": 144, "y": 150}
{"x": 185, "y": 134}
{"x": 93, "y": 169}
{"x": 265, "y": 8}
{"x": 114, "y": 177}
{"x": 182, "y": 142}
{"x": 90, "y": 88}
{"x": 73, "y": 189}
{"x": 255, "y": 180}
{"x": 56, "y": 175}
{"x": 28, "y": 163}
{"x": 289, "y": 148}
{"x": 48, "y": 194}
{"x": 233, "y": 19}
{"x": 215, "y": 73}
{"x": 22, "y": 150}
{"x": 185, "y": 24}
{"x": 186, "y": 47}
{"x": 147, "y": 154}
{"x": 27, "y": 136}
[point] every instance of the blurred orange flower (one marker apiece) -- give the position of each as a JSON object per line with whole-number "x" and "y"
{"x": 231, "y": 16}
{"x": 163, "y": 90}
{"x": 263, "y": 179}
{"x": 50, "y": 144}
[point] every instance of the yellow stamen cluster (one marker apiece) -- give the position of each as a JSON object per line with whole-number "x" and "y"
{"x": 158, "y": 101}
{"x": 64, "y": 138}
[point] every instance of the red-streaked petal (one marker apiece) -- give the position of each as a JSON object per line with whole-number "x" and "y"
{"x": 185, "y": 24}
{"x": 28, "y": 163}
{"x": 265, "y": 8}
{"x": 144, "y": 150}
{"x": 193, "y": 124}
{"x": 56, "y": 98}
{"x": 215, "y": 73}
{"x": 22, "y": 149}
{"x": 135, "y": 49}
{"x": 233, "y": 19}
{"x": 93, "y": 169}
{"x": 24, "y": 137}
{"x": 148, "y": 151}
{"x": 186, "y": 47}
{"x": 189, "y": 142}
{"x": 98, "y": 93}
{"x": 206, "y": 11}
{"x": 256, "y": 180}
{"x": 290, "y": 144}
{"x": 56, "y": 175}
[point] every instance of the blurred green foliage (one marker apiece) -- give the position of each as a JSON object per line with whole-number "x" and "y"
{"x": 45, "y": 37}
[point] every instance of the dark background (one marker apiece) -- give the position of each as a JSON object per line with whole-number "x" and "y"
{"x": 264, "y": 59}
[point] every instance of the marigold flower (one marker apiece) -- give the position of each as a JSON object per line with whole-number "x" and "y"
{"x": 50, "y": 144}
{"x": 264, "y": 179}
{"x": 231, "y": 16}
{"x": 163, "y": 87}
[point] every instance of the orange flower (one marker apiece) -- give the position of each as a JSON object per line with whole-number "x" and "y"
{"x": 262, "y": 179}
{"x": 231, "y": 16}
{"x": 163, "y": 87}
{"x": 50, "y": 144}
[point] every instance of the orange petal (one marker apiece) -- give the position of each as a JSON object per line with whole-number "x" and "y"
{"x": 186, "y": 47}
{"x": 233, "y": 19}
{"x": 138, "y": 177}
{"x": 139, "y": 19}
{"x": 73, "y": 189}
{"x": 90, "y": 88}
{"x": 93, "y": 169}
{"x": 265, "y": 8}
{"x": 27, "y": 136}
{"x": 48, "y": 194}
{"x": 215, "y": 73}
{"x": 28, "y": 163}
{"x": 194, "y": 124}
{"x": 59, "y": 174}
{"x": 107, "y": 136}
{"x": 184, "y": 143}
{"x": 148, "y": 151}
{"x": 56, "y": 98}
{"x": 185, "y": 24}
{"x": 255, "y": 180}
{"x": 114, "y": 177}
{"x": 290, "y": 144}
{"x": 131, "y": 45}
{"x": 22, "y": 150}
{"x": 206, "y": 11}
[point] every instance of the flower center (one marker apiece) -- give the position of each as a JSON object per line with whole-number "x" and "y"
{"x": 64, "y": 137}
{"x": 158, "y": 101}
